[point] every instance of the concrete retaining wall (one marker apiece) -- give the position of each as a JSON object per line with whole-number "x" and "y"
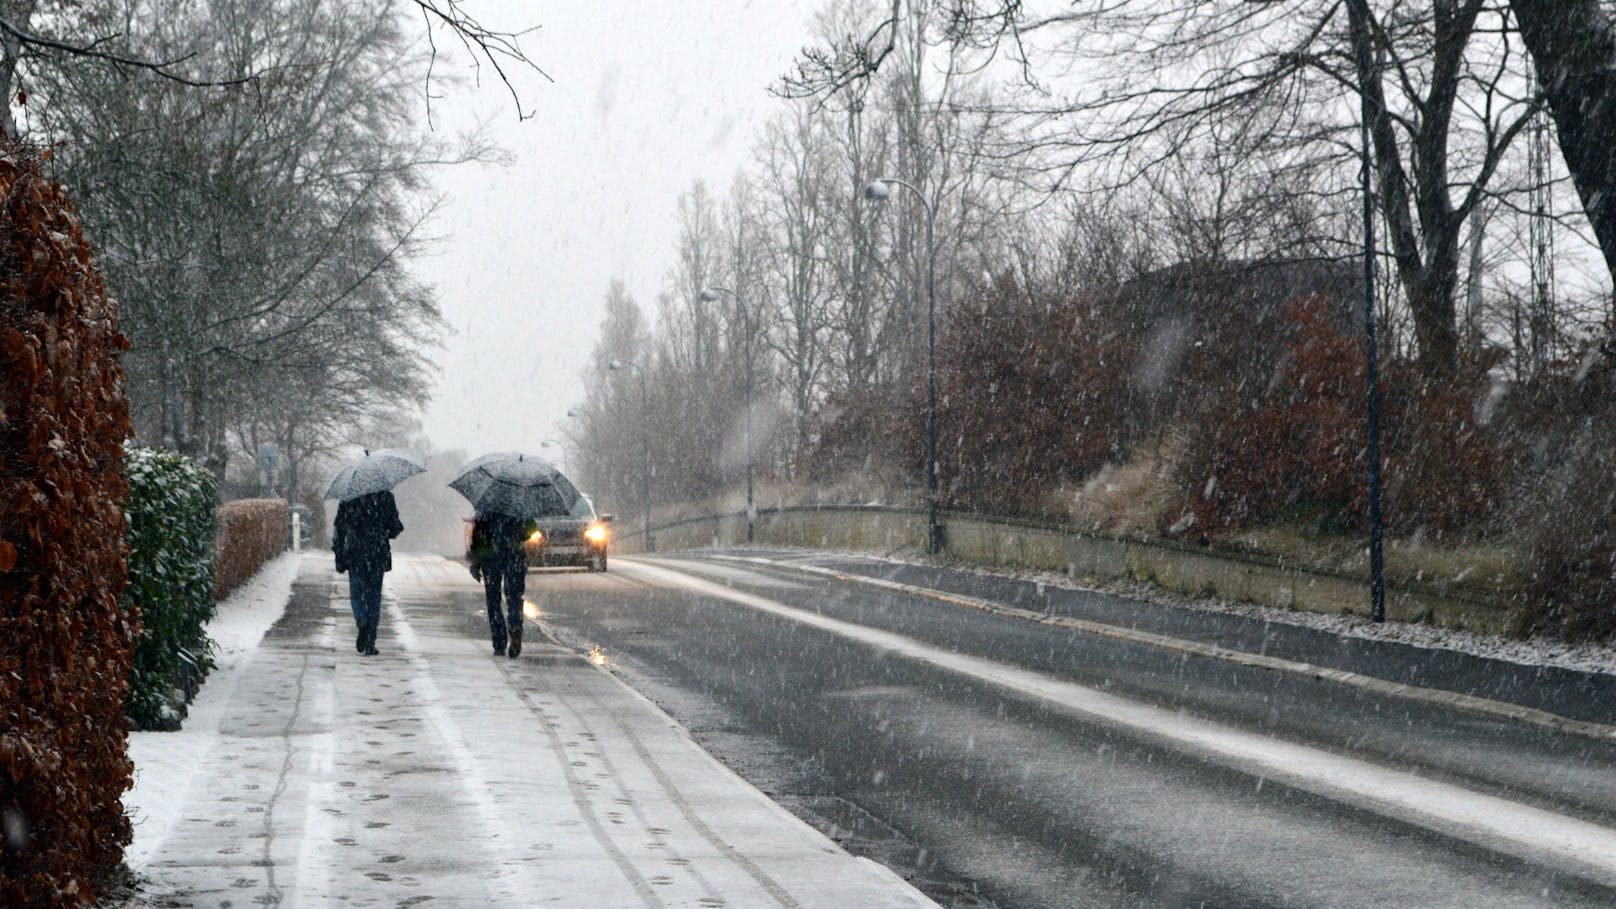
{"x": 1010, "y": 544}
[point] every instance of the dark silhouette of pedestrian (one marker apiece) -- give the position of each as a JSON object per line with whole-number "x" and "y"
{"x": 363, "y": 528}
{"x": 498, "y": 560}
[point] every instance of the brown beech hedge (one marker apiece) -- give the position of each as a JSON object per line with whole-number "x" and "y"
{"x": 65, "y": 642}
{"x": 251, "y": 532}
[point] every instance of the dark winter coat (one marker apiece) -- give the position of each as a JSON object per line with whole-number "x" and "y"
{"x": 362, "y": 529}
{"x": 497, "y": 537}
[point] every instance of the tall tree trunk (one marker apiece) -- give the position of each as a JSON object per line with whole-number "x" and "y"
{"x": 1573, "y": 44}
{"x": 1426, "y": 253}
{"x": 18, "y": 13}
{"x": 1436, "y": 330}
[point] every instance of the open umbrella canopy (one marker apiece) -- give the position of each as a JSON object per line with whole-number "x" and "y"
{"x": 376, "y": 471}
{"x": 518, "y": 484}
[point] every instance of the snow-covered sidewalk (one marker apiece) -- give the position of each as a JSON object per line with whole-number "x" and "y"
{"x": 308, "y": 775}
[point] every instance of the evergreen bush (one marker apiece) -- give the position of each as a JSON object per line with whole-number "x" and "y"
{"x": 172, "y": 519}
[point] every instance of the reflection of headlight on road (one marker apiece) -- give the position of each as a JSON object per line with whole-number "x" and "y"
{"x": 538, "y": 537}
{"x": 597, "y": 656}
{"x": 530, "y": 609}
{"x": 596, "y": 534}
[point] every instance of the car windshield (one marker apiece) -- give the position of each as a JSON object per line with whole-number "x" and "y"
{"x": 584, "y": 508}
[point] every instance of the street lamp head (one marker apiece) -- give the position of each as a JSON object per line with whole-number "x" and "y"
{"x": 707, "y": 295}
{"x": 573, "y": 412}
{"x": 878, "y": 190}
{"x": 617, "y": 364}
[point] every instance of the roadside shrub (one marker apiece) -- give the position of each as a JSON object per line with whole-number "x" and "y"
{"x": 172, "y": 510}
{"x": 870, "y": 431}
{"x": 1572, "y": 552}
{"x": 1291, "y": 449}
{"x": 251, "y": 532}
{"x": 1032, "y": 394}
{"x": 1295, "y": 449}
{"x": 1444, "y": 470}
{"x": 65, "y": 639}
{"x": 1566, "y": 506}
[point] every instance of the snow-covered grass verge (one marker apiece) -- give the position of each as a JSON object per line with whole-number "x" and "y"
{"x": 1582, "y": 657}
{"x": 241, "y": 619}
{"x": 165, "y": 761}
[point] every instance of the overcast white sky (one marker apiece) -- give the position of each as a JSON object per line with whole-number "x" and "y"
{"x": 649, "y": 95}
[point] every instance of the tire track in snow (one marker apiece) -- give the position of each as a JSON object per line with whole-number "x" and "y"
{"x": 769, "y": 885}
{"x": 475, "y": 783}
{"x": 580, "y": 800}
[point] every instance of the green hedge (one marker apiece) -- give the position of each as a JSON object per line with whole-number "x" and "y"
{"x": 172, "y": 514}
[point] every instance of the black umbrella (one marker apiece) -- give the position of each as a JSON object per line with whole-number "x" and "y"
{"x": 376, "y": 471}
{"x": 517, "y": 484}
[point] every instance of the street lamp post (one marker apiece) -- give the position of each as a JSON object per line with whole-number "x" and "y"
{"x": 645, "y": 439}
{"x": 878, "y": 190}
{"x": 709, "y": 294}
{"x": 591, "y": 457}
{"x": 558, "y": 447}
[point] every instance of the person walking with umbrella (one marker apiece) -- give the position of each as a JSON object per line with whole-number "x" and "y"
{"x": 367, "y": 519}
{"x": 498, "y": 560}
{"x": 509, "y": 491}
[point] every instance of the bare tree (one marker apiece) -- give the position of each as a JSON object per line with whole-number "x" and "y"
{"x": 257, "y": 235}
{"x": 43, "y": 35}
{"x": 1573, "y": 45}
{"x": 795, "y": 173}
{"x": 689, "y": 323}
{"x": 1276, "y": 79}
{"x": 606, "y": 429}
{"x": 750, "y": 373}
{"x": 861, "y": 289}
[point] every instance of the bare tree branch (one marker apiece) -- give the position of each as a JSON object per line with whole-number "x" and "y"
{"x": 92, "y": 51}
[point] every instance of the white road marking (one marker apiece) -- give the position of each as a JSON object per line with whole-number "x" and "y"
{"x": 1576, "y": 845}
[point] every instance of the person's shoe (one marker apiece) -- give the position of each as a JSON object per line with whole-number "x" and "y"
{"x": 516, "y": 642}
{"x": 499, "y": 651}
{"x": 371, "y": 650}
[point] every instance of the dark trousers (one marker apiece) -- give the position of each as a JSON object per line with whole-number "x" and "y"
{"x": 365, "y": 596}
{"x": 510, "y": 573}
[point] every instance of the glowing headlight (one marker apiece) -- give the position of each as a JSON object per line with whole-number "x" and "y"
{"x": 537, "y": 537}
{"x": 595, "y": 534}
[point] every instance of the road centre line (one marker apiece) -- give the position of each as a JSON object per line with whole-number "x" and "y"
{"x": 1453, "y": 699}
{"x": 1579, "y": 846}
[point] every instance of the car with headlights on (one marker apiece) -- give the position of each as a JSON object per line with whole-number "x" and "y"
{"x": 579, "y": 539}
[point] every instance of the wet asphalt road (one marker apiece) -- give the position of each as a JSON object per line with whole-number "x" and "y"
{"x": 993, "y": 795}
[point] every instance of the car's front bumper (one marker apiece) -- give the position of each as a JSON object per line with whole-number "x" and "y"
{"x": 563, "y": 554}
